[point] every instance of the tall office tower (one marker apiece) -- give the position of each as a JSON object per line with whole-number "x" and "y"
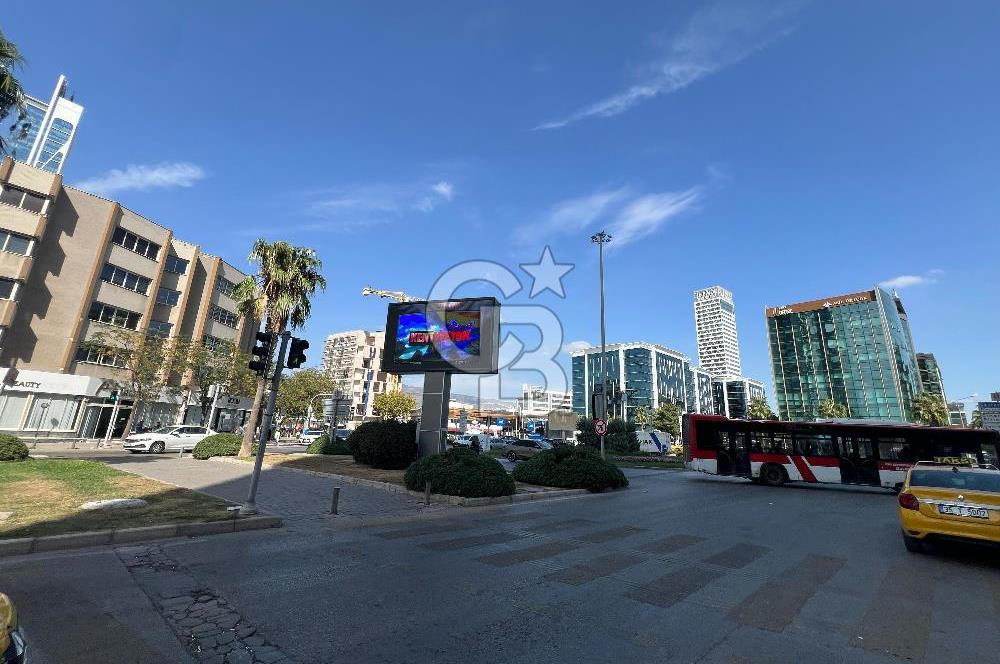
{"x": 354, "y": 360}
{"x": 715, "y": 323}
{"x": 51, "y": 127}
{"x": 930, "y": 375}
{"x": 854, "y": 349}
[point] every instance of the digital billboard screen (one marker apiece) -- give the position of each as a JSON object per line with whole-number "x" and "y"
{"x": 455, "y": 336}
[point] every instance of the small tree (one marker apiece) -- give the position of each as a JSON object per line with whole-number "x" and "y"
{"x": 759, "y": 409}
{"x": 587, "y": 436}
{"x": 298, "y": 389}
{"x": 205, "y": 365}
{"x": 930, "y": 409}
{"x": 668, "y": 418}
{"x": 642, "y": 417}
{"x": 12, "y": 95}
{"x": 621, "y": 437}
{"x": 977, "y": 420}
{"x": 829, "y": 408}
{"x": 145, "y": 360}
{"x": 395, "y": 405}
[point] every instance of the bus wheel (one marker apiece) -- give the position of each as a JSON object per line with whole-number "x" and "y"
{"x": 772, "y": 474}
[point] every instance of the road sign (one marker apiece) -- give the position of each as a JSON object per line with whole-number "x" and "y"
{"x": 501, "y": 422}
{"x": 600, "y": 427}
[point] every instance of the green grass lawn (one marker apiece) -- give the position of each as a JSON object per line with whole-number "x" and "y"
{"x": 45, "y": 494}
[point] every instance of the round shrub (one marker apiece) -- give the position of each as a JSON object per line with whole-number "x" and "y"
{"x": 385, "y": 444}
{"x": 460, "y": 472}
{"x": 220, "y": 444}
{"x": 12, "y": 449}
{"x": 322, "y": 445}
{"x": 571, "y": 468}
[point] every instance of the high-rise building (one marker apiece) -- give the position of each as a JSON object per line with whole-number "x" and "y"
{"x": 989, "y": 414}
{"x": 536, "y": 401}
{"x": 354, "y": 360}
{"x": 731, "y": 395}
{"x": 956, "y": 414}
{"x": 854, "y": 349}
{"x": 51, "y": 127}
{"x": 640, "y": 374}
{"x": 73, "y": 264}
{"x": 930, "y": 375}
{"x": 715, "y": 324}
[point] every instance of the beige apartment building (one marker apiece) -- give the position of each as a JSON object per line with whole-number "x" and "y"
{"x": 72, "y": 263}
{"x": 354, "y": 360}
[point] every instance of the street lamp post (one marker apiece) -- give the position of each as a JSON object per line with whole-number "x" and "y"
{"x": 600, "y": 239}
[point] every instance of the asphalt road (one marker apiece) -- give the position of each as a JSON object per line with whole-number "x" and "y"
{"x": 679, "y": 568}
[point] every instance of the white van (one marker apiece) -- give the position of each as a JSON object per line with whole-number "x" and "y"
{"x": 466, "y": 440}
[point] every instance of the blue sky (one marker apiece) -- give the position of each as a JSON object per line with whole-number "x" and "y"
{"x": 786, "y": 151}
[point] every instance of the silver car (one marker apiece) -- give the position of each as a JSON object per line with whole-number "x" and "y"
{"x": 525, "y": 448}
{"x": 173, "y": 438}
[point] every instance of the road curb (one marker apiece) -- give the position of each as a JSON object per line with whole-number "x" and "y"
{"x": 455, "y": 501}
{"x": 46, "y": 543}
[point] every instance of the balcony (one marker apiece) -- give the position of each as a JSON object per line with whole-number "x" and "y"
{"x": 22, "y": 222}
{"x": 15, "y": 266}
{"x": 7, "y": 310}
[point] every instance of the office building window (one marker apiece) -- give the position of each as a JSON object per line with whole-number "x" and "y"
{"x": 91, "y": 356}
{"x": 175, "y": 264}
{"x": 58, "y": 413}
{"x": 159, "y": 328}
{"x": 8, "y": 288}
{"x": 133, "y": 242}
{"x": 213, "y": 342}
{"x": 130, "y": 280}
{"x": 168, "y": 296}
{"x": 225, "y": 317}
{"x": 105, "y": 313}
{"x": 15, "y": 244}
{"x": 11, "y": 410}
{"x": 23, "y": 199}
{"x": 224, "y": 286}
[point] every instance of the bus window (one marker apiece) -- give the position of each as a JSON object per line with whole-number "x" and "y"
{"x": 782, "y": 444}
{"x": 946, "y": 453}
{"x": 815, "y": 445}
{"x": 760, "y": 442}
{"x": 896, "y": 449}
{"x": 723, "y": 440}
{"x": 706, "y": 436}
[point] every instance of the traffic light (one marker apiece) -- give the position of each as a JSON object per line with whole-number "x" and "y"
{"x": 262, "y": 352}
{"x": 296, "y": 353}
{"x": 114, "y": 396}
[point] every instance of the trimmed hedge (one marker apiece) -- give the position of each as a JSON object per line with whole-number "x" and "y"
{"x": 571, "y": 468}
{"x": 460, "y": 472}
{"x": 220, "y": 444}
{"x": 385, "y": 444}
{"x": 12, "y": 449}
{"x": 322, "y": 445}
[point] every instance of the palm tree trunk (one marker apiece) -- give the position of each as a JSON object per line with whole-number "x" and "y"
{"x": 247, "y": 445}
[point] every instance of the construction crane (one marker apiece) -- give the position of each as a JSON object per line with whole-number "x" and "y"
{"x": 398, "y": 296}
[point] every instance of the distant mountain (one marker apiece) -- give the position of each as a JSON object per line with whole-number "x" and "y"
{"x": 472, "y": 400}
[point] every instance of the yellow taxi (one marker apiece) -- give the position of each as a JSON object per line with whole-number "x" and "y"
{"x": 11, "y": 639}
{"x": 949, "y": 501}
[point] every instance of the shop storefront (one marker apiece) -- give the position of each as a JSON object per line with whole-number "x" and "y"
{"x": 40, "y": 404}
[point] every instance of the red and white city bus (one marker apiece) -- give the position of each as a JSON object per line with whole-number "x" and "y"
{"x": 834, "y": 452}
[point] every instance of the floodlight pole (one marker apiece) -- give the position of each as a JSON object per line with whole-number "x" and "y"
{"x": 600, "y": 239}
{"x": 249, "y": 508}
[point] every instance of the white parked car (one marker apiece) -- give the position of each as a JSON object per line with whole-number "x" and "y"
{"x": 177, "y": 437}
{"x": 485, "y": 440}
{"x": 310, "y": 435}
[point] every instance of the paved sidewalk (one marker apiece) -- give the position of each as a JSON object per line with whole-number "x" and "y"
{"x": 291, "y": 494}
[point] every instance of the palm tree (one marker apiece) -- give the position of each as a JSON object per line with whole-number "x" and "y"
{"x": 930, "y": 409}
{"x": 278, "y": 296}
{"x": 11, "y": 93}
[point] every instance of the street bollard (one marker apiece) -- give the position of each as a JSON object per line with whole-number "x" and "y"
{"x": 427, "y": 493}
{"x": 180, "y": 452}
{"x": 336, "y": 499}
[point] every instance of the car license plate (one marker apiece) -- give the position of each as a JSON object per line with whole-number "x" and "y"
{"x": 959, "y": 510}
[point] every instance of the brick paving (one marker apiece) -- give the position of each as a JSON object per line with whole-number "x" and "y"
{"x": 292, "y": 494}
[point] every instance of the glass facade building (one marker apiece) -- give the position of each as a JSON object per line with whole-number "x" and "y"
{"x": 930, "y": 375}
{"x": 855, "y": 349}
{"x": 51, "y": 129}
{"x": 732, "y": 396}
{"x": 640, "y": 374}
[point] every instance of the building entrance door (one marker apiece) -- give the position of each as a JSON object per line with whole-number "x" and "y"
{"x": 97, "y": 419}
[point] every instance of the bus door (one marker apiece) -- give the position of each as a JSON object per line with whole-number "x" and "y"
{"x": 858, "y": 464}
{"x": 733, "y": 454}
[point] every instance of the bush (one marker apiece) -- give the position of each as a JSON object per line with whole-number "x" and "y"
{"x": 220, "y": 444}
{"x": 12, "y": 449}
{"x": 322, "y": 445}
{"x": 620, "y": 439}
{"x": 571, "y": 468}
{"x": 460, "y": 472}
{"x": 385, "y": 444}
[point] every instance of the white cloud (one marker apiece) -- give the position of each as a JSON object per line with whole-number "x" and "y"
{"x": 141, "y": 177}
{"x": 572, "y": 215}
{"x": 444, "y": 189}
{"x": 347, "y": 207}
{"x": 646, "y": 214}
{"x": 714, "y": 38}
{"x": 573, "y": 346}
{"x": 907, "y": 280}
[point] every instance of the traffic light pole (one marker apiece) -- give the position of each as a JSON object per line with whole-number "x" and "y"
{"x": 249, "y": 508}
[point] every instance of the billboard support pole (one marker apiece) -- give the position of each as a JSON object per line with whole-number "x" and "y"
{"x": 433, "y": 433}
